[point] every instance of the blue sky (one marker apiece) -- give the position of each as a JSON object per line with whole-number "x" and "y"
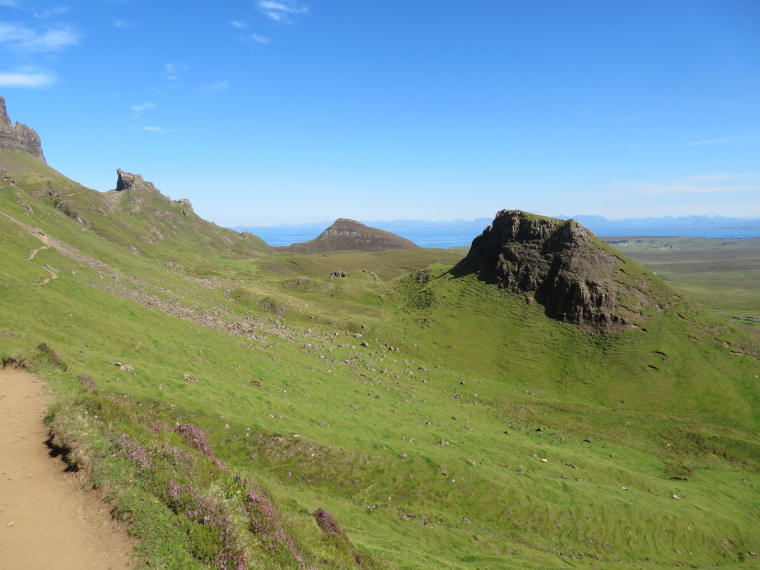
{"x": 264, "y": 112}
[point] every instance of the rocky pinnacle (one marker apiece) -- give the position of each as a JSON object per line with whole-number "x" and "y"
{"x": 18, "y": 137}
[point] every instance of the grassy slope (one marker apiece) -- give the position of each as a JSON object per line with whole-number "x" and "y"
{"x": 358, "y": 430}
{"x": 143, "y": 221}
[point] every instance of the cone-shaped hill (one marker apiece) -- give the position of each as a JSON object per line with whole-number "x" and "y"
{"x": 351, "y": 235}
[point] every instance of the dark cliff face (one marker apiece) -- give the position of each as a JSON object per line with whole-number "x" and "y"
{"x": 18, "y": 137}
{"x": 560, "y": 264}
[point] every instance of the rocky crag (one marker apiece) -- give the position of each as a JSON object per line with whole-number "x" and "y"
{"x": 18, "y": 137}
{"x": 133, "y": 194}
{"x": 563, "y": 266}
{"x": 351, "y": 235}
{"x": 136, "y": 215}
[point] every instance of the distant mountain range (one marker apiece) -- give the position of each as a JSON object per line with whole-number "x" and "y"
{"x": 462, "y": 232}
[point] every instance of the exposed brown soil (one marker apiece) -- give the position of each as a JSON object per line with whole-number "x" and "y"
{"x": 46, "y": 519}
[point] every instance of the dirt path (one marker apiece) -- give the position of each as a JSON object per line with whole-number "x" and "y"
{"x": 53, "y": 274}
{"x": 46, "y": 520}
{"x": 36, "y": 251}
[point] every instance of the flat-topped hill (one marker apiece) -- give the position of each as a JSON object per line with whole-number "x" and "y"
{"x": 576, "y": 276}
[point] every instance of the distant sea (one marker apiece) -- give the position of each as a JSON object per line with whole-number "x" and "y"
{"x": 452, "y": 234}
{"x": 443, "y": 238}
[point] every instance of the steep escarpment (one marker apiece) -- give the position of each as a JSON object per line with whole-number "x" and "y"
{"x": 566, "y": 268}
{"x": 351, "y": 235}
{"x": 18, "y": 137}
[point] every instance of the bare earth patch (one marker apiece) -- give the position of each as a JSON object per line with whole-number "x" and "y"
{"x": 46, "y": 519}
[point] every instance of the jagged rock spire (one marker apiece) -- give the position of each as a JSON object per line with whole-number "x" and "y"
{"x": 18, "y": 137}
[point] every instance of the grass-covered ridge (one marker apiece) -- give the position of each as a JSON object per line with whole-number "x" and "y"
{"x": 415, "y": 406}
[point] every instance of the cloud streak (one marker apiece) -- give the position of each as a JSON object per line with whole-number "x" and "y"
{"x": 712, "y": 141}
{"x": 282, "y": 10}
{"x": 143, "y": 107}
{"x": 28, "y": 40}
{"x": 216, "y": 87}
{"x": 26, "y": 80}
{"x": 670, "y": 189}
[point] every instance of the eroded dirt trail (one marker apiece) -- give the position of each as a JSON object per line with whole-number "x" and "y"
{"x": 46, "y": 520}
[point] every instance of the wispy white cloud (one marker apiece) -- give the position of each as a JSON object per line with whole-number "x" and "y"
{"x": 157, "y": 130}
{"x": 239, "y": 24}
{"x": 725, "y": 176}
{"x": 694, "y": 185}
{"x": 26, "y": 79}
{"x": 260, "y": 39}
{"x": 662, "y": 189}
{"x": 50, "y": 12}
{"x": 280, "y": 11}
{"x": 171, "y": 71}
{"x": 9, "y": 3}
{"x": 216, "y": 87}
{"x": 713, "y": 141}
{"x": 143, "y": 107}
{"x": 121, "y": 24}
{"x": 28, "y": 40}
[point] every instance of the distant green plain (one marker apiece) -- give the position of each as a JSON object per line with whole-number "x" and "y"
{"x": 722, "y": 275}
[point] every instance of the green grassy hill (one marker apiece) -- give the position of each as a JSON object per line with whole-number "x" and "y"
{"x": 222, "y": 395}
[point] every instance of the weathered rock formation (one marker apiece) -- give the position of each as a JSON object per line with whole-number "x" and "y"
{"x": 561, "y": 265}
{"x": 18, "y": 137}
{"x": 128, "y": 181}
{"x": 351, "y": 235}
{"x": 137, "y": 191}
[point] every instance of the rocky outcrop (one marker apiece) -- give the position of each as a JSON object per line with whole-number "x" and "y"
{"x": 136, "y": 191}
{"x": 128, "y": 181}
{"x": 559, "y": 264}
{"x": 18, "y": 137}
{"x": 347, "y": 234}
